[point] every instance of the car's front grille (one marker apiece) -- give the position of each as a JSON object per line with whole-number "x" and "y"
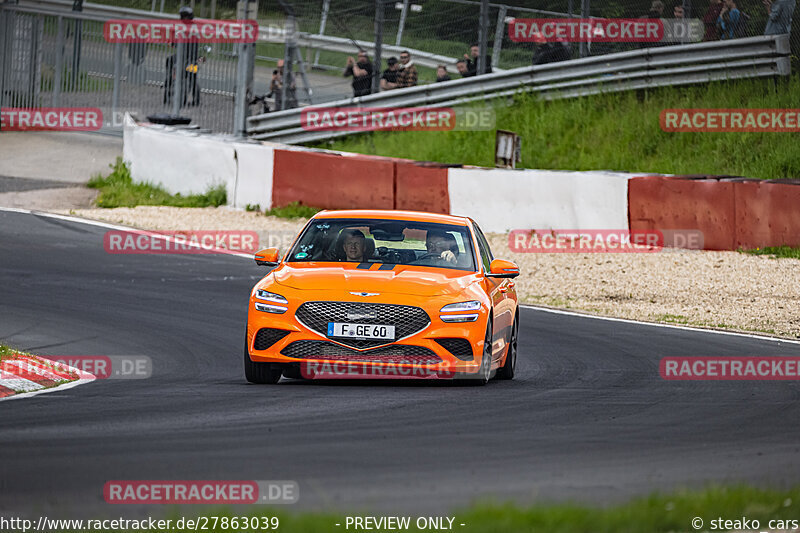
{"x": 407, "y": 320}
{"x": 395, "y": 353}
{"x": 460, "y": 348}
{"x": 266, "y": 337}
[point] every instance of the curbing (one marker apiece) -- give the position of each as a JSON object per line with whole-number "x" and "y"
{"x": 23, "y": 376}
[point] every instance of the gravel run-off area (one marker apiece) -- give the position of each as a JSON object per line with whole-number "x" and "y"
{"x": 725, "y": 290}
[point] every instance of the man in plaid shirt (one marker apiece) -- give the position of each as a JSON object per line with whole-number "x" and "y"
{"x": 407, "y": 77}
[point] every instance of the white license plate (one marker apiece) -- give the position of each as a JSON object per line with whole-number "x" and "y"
{"x": 360, "y": 331}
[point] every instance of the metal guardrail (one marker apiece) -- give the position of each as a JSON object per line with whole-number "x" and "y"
{"x": 340, "y": 44}
{"x": 265, "y": 34}
{"x": 639, "y": 69}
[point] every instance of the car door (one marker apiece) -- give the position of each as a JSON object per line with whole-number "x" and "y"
{"x": 497, "y": 288}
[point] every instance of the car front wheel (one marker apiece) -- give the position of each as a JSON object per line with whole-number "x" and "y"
{"x": 509, "y": 368}
{"x": 484, "y": 373}
{"x": 261, "y": 373}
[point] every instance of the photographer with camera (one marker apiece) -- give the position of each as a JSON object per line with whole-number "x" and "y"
{"x": 729, "y": 20}
{"x": 361, "y": 71}
{"x": 191, "y": 63}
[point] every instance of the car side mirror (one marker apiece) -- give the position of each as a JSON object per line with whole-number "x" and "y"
{"x": 500, "y": 268}
{"x": 268, "y": 257}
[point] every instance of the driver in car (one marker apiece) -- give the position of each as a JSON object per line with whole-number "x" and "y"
{"x": 441, "y": 246}
{"x": 354, "y": 245}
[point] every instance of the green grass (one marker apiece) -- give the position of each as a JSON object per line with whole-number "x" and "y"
{"x": 657, "y": 513}
{"x": 776, "y": 251}
{"x": 617, "y": 131}
{"x": 293, "y": 210}
{"x": 118, "y": 190}
{"x": 7, "y": 351}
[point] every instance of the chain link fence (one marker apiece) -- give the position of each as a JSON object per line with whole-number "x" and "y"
{"x": 64, "y": 60}
{"x": 448, "y": 27}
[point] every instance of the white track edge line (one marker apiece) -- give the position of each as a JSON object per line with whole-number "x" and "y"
{"x": 525, "y": 306}
{"x": 658, "y": 325}
{"x": 100, "y": 224}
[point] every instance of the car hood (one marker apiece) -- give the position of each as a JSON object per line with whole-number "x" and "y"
{"x": 402, "y": 279}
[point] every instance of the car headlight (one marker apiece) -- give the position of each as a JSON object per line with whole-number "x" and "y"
{"x": 460, "y": 308}
{"x": 267, "y": 296}
{"x": 473, "y": 305}
{"x": 273, "y": 298}
{"x": 269, "y": 308}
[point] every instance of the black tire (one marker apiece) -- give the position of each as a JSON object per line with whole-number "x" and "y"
{"x": 509, "y": 368}
{"x": 483, "y": 375}
{"x": 261, "y": 373}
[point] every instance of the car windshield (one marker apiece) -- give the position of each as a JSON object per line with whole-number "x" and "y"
{"x": 392, "y": 242}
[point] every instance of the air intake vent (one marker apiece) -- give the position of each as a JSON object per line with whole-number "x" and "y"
{"x": 266, "y": 337}
{"x": 460, "y": 348}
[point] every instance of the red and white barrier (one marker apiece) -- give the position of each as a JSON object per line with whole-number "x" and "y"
{"x": 731, "y": 213}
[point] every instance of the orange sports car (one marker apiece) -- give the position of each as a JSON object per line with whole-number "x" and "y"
{"x": 383, "y": 294}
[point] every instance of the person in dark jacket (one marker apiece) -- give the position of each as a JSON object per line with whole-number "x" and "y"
{"x": 472, "y": 60}
{"x": 710, "y": 20}
{"x": 191, "y": 64}
{"x": 389, "y": 77}
{"x": 361, "y": 71}
{"x": 549, "y": 52}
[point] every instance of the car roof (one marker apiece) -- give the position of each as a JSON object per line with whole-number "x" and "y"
{"x": 390, "y": 214}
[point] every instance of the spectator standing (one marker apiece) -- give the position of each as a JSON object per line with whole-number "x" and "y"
{"x": 407, "y": 76}
{"x": 276, "y": 88}
{"x": 191, "y": 63}
{"x": 779, "y": 18}
{"x": 461, "y": 66}
{"x": 656, "y": 10}
{"x": 710, "y": 20}
{"x": 677, "y": 11}
{"x": 472, "y": 60}
{"x": 729, "y": 20}
{"x": 549, "y": 52}
{"x": 441, "y": 73}
{"x": 361, "y": 71}
{"x": 389, "y": 77}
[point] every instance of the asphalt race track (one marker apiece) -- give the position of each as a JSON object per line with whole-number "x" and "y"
{"x": 587, "y": 419}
